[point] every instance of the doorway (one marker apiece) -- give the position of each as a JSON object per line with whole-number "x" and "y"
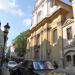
{"x": 74, "y": 60}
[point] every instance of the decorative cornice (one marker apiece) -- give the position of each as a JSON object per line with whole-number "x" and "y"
{"x": 45, "y": 20}
{"x": 69, "y": 46}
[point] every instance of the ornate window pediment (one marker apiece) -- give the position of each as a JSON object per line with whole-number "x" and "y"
{"x": 68, "y": 21}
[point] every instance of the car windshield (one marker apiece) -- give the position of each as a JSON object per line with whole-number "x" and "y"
{"x": 12, "y": 62}
{"x": 41, "y": 65}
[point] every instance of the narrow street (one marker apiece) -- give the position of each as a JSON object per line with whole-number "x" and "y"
{"x": 37, "y": 37}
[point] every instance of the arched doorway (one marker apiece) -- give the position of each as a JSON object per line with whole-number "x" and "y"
{"x": 68, "y": 60}
{"x": 69, "y": 57}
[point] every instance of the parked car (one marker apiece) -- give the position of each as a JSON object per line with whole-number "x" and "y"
{"x": 11, "y": 64}
{"x": 35, "y": 67}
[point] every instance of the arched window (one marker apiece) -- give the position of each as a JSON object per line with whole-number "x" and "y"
{"x": 68, "y": 58}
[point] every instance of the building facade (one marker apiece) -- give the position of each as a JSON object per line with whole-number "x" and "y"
{"x": 69, "y": 39}
{"x": 45, "y": 39}
{"x": 1, "y": 42}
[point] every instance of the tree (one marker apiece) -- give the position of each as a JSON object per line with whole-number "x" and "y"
{"x": 20, "y": 43}
{"x": 70, "y": 0}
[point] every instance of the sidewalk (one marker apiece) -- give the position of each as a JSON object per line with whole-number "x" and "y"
{"x": 70, "y": 70}
{"x": 5, "y": 70}
{"x": 0, "y": 71}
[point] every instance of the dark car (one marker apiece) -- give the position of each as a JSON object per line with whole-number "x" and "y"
{"x": 35, "y": 67}
{"x": 42, "y": 66}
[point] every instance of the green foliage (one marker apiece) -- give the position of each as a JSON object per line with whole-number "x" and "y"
{"x": 21, "y": 43}
{"x": 70, "y": 0}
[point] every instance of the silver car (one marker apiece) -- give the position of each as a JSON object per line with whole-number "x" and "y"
{"x": 12, "y": 64}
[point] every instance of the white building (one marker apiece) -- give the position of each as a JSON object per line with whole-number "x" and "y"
{"x": 12, "y": 51}
{"x": 69, "y": 40}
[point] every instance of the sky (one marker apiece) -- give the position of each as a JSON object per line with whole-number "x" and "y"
{"x": 18, "y": 14}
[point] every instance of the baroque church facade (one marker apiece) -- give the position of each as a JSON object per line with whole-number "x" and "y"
{"x": 52, "y": 33}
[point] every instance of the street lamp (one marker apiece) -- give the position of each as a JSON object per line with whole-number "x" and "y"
{"x": 5, "y": 32}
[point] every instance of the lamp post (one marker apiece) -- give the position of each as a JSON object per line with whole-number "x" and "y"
{"x": 5, "y": 32}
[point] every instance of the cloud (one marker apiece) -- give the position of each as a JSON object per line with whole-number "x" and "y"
{"x": 19, "y": 12}
{"x": 27, "y": 21}
{"x": 11, "y": 7}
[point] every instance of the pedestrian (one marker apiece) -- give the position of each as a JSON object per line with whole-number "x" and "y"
{"x": 55, "y": 65}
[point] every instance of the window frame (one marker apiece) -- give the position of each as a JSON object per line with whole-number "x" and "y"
{"x": 69, "y": 33}
{"x": 39, "y": 15}
{"x": 55, "y": 36}
{"x": 38, "y": 39}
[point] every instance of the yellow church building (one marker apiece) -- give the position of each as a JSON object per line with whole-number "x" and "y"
{"x": 47, "y": 36}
